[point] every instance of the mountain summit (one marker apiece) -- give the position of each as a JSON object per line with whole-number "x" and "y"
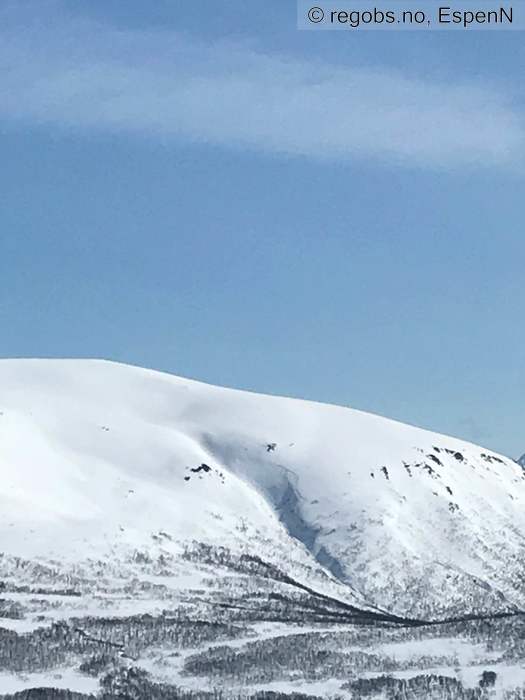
{"x": 106, "y": 467}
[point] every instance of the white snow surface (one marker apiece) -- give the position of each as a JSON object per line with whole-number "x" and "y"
{"x": 95, "y": 458}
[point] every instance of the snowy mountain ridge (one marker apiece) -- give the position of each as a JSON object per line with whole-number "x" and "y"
{"x": 101, "y": 462}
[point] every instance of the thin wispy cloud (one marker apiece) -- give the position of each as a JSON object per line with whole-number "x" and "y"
{"x": 87, "y": 76}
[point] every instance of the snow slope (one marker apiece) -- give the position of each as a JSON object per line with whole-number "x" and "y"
{"x": 98, "y": 460}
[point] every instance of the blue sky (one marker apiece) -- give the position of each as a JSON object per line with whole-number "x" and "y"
{"x": 201, "y": 188}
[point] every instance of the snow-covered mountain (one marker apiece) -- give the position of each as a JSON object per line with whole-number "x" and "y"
{"x": 521, "y": 460}
{"x": 108, "y": 464}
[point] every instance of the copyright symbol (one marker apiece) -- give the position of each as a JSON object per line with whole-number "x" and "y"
{"x": 315, "y": 15}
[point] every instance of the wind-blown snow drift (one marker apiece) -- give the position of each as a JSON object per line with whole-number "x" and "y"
{"x": 97, "y": 457}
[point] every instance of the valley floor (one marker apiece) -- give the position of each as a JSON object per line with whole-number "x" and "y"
{"x": 242, "y": 637}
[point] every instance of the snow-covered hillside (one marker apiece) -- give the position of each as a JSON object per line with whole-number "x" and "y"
{"x": 101, "y": 462}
